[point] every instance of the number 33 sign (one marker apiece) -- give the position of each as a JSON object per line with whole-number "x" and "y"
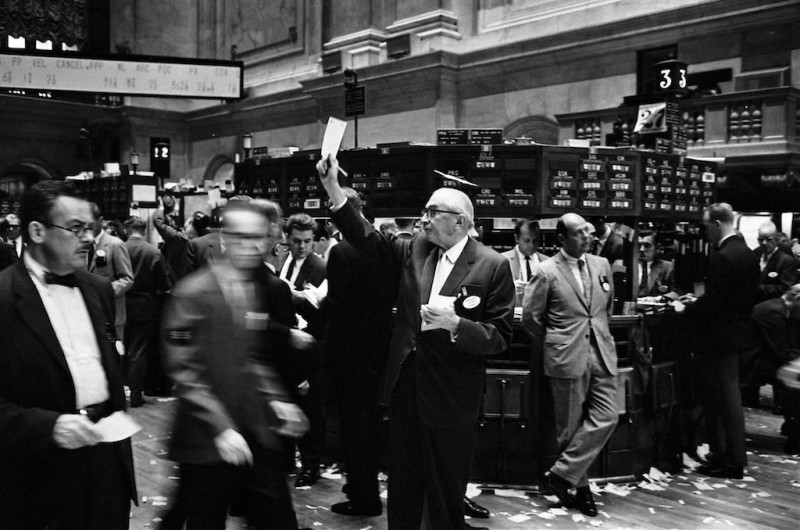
{"x": 671, "y": 75}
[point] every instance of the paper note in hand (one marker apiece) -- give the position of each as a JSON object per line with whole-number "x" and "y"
{"x": 440, "y": 302}
{"x": 334, "y": 133}
{"x": 117, "y": 426}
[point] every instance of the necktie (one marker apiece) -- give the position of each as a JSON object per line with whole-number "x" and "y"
{"x": 645, "y": 278}
{"x": 67, "y": 280}
{"x": 587, "y": 284}
{"x": 290, "y": 270}
{"x": 527, "y": 268}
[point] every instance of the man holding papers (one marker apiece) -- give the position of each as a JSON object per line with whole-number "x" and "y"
{"x": 59, "y": 374}
{"x": 455, "y": 305}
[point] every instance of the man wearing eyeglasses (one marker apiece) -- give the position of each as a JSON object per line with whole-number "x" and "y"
{"x": 59, "y": 375}
{"x": 455, "y": 306}
{"x": 778, "y": 269}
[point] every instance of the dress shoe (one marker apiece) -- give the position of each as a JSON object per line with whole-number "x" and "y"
{"x": 349, "y": 508}
{"x": 470, "y": 527}
{"x": 560, "y": 488}
{"x": 473, "y": 509}
{"x": 722, "y": 471}
{"x": 307, "y": 477}
{"x": 584, "y": 501}
{"x": 137, "y": 400}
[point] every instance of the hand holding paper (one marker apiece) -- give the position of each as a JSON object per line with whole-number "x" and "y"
{"x": 332, "y": 140}
{"x": 439, "y": 313}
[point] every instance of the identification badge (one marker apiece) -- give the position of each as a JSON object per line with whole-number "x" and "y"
{"x": 471, "y": 302}
{"x": 772, "y": 274}
{"x": 604, "y": 283}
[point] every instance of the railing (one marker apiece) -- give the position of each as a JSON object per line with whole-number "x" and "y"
{"x": 767, "y": 121}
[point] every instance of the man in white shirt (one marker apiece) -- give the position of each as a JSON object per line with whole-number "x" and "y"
{"x": 59, "y": 375}
{"x": 524, "y": 257}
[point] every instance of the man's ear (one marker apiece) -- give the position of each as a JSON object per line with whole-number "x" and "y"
{"x": 36, "y": 232}
{"x": 561, "y": 238}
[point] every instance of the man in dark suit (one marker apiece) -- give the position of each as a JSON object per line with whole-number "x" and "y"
{"x": 566, "y": 311}
{"x": 524, "y": 256}
{"x": 59, "y": 374}
{"x": 405, "y": 227}
{"x": 110, "y": 260}
{"x": 304, "y": 271}
{"x": 724, "y": 312}
{"x": 778, "y": 323}
{"x": 143, "y": 305}
{"x": 7, "y": 255}
{"x": 455, "y": 306}
{"x": 14, "y": 234}
{"x": 176, "y": 240}
{"x": 778, "y": 269}
{"x": 361, "y": 294}
{"x": 232, "y": 404}
{"x": 607, "y": 244}
{"x": 656, "y": 276}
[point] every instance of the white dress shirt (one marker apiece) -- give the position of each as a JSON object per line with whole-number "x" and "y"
{"x": 447, "y": 260}
{"x": 285, "y": 269}
{"x": 523, "y": 274}
{"x": 73, "y": 327}
{"x": 576, "y": 271}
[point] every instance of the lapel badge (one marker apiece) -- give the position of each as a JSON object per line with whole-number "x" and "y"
{"x": 604, "y": 283}
{"x": 471, "y": 302}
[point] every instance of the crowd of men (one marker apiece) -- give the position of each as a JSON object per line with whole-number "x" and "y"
{"x": 258, "y": 326}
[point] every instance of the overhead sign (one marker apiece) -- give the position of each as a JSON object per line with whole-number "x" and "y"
{"x": 652, "y": 118}
{"x": 157, "y": 76}
{"x": 354, "y": 101}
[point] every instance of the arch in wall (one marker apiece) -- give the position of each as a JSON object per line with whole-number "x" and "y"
{"x": 219, "y": 170}
{"x": 540, "y": 129}
{"x": 19, "y": 175}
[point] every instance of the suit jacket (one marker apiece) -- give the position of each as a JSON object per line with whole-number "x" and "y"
{"x": 117, "y": 269}
{"x": 36, "y": 387}
{"x": 361, "y": 295}
{"x": 731, "y": 291}
{"x": 511, "y": 256}
{"x": 175, "y": 248}
{"x": 204, "y": 250}
{"x": 778, "y": 276}
{"x": 223, "y": 369}
{"x": 614, "y": 248}
{"x": 449, "y": 375}
{"x": 661, "y": 278}
{"x": 556, "y": 315}
{"x": 779, "y": 333}
{"x": 312, "y": 271}
{"x": 150, "y": 281}
{"x": 7, "y": 255}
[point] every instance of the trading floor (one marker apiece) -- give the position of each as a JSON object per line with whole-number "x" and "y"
{"x": 767, "y": 498}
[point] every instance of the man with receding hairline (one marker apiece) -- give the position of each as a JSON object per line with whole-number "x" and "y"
{"x": 455, "y": 305}
{"x": 566, "y": 310}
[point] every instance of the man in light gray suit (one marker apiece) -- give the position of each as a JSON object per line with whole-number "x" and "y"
{"x": 524, "y": 257}
{"x": 566, "y": 311}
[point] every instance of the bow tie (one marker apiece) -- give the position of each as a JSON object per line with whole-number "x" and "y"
{"x": 67, "y": 280}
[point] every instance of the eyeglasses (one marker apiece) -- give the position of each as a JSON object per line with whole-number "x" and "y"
{"x": 431, "y": 212}
{"x": 79, "y": 231}
{"x": 762, "y": 239}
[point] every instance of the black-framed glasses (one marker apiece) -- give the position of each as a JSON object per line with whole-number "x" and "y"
{"x": 78, "y": 231}
{"x": 430, "y": 212}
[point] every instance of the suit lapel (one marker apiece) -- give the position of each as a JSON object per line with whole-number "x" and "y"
{"x": 460, "y": 269}
{"x": 516, "y": 272}
{"x": 31, "y": 311}
{"x": 566, "y": 272}
{"x": 428, "y": 270}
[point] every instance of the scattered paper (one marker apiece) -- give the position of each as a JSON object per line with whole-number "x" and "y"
{"x": 617, "y": 490}
{"x": 546, "y": 515}
{"x": 578, "y": 518}
{"x": 118, "y": 426}
{"x": 519, "y": 518}
{"x": 708, "y": 519}
{"x": 702, "y": 486}
{"x": 558, "y": 511}
{"x": 511, "y": 493}
{"x": 473, "y": 491}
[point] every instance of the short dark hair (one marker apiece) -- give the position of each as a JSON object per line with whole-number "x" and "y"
{"x": 533, "y": 225}
{"x": 37, "y": 203}
{"x": 301, "y": 222}
{"x": 200, "y": 222}
{"x": 136, "y": 224}
{"x": 405, "y": 224}
{"x": 720, "y": 211}
{"x": 561, "y": 228}
{"x": 321, "y": 231}
{"x": 647, "y": 233}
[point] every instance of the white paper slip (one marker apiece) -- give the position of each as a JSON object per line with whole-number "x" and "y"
{"x": 117, "y": 426}
{"x": 334, "y": 133}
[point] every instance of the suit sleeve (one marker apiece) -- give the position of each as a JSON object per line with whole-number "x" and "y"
{"x": 123, "y": 272}
{"x": 491, "y": 335}
{"x": 787, "y": 276}
{"x": 184, "y": 332}
{"x": 358, "y": 232}
{"x": 534, "y": 306}
{"x": 775, "y": 330}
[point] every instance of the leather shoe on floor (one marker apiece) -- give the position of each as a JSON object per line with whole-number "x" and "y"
{"x": 722, "y": 471}
{"x": 473, "y": 509}
{"x": 307, "y": 477}
{"x": 348, "y": 508}
{"x": 584, "y": 501}
{"x": 470, "y": 527}
{"x": 560, "y": 488}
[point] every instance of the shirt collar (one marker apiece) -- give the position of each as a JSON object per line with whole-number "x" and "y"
{"x": 455, "y": 251}
{"x": 35, "y": 268}
{"x": 572, "y": 260}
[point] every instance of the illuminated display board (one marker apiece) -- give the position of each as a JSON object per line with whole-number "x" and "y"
{"x": 139, "y": 76}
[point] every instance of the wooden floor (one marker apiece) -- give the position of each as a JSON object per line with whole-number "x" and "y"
{"x": 768, "y": 498}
